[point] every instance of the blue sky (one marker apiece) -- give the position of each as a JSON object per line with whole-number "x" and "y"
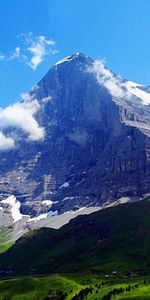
{"x": 117, "y": 30}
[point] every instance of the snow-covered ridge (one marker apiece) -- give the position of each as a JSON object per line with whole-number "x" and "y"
{"x": 114, "y": 83}
{"x": 134, "y": 89}
{"x": 118, "y": 88}
{"x": 69, "y": 58}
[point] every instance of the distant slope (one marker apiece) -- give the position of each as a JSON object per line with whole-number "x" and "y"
{"x": 117, "y": 238}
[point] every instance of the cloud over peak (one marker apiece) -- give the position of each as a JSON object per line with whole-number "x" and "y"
{"x": 6, "y": 142}
{"x": 20, "y": 115}
{"x": 105, "y": 77}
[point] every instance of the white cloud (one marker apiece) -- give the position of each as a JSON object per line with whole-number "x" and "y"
{"x": 21, "y": 115}
{"x": 26, "y": 97}
{"x": 6, "y": 142}
{"x": 106, "y": 78}
{"x": 33, "y": 49}
{"x": 38, "y": 47}
{"x": 16, "y": 54}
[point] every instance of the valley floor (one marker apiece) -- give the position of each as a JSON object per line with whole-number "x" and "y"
{"x": 74, "y": 287}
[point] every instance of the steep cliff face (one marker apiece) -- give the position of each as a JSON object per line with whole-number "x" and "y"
{"x": 96, "y": 146}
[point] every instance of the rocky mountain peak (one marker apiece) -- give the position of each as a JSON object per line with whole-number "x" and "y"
{"x": 76, "y": 57}
{"x": 96, "y": 146}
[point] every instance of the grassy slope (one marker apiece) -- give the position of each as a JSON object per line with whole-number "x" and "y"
{"x": 5, "y": 236}
{"x": 31, "y": 288}
{"x": 38, "y": 288}
{"x": 116, "y": 238}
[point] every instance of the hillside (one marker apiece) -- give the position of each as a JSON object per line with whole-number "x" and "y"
{"x": 77, "y": 287}
{"x": 115, "y": 239}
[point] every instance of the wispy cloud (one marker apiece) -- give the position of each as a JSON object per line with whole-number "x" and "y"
{"x": 38, "y": 47}
{"x": 32, "y": 50}
{"x": 105, "y": 77}
{"x": 20, "y": 115}
{"x": 16, "y": 54}
{"x": 6, "y": 142}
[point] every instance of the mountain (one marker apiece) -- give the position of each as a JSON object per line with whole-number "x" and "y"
{"x": 90, "y": 142}
{"x": 114, "y": 239}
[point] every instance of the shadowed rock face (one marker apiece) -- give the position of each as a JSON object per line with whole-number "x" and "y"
{"x": 94, "y": 150}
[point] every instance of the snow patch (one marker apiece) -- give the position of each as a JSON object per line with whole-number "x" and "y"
{"x": 40, "y": 217}
{"x": 65, "y": 59}
{"x": 15, "y": 207}
{"x": 64, "y": 185}
{"x": 43, "y": 216}
{"x": 14, "y": 210}
{"x": 134, "y": 89}
{"x": 47, "y": 202}
{"x": 67, "y": 198}
{"x": 69, "y": 58}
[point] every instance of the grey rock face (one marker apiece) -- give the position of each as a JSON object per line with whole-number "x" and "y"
{"x": 96, "y": 148}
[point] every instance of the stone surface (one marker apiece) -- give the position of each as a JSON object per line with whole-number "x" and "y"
{"x": 97, "y": 144}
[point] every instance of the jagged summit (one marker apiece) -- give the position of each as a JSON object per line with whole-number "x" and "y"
{"x": 76, "y": 56}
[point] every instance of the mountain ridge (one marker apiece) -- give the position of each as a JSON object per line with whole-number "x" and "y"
{"x": 96, "y": 146}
